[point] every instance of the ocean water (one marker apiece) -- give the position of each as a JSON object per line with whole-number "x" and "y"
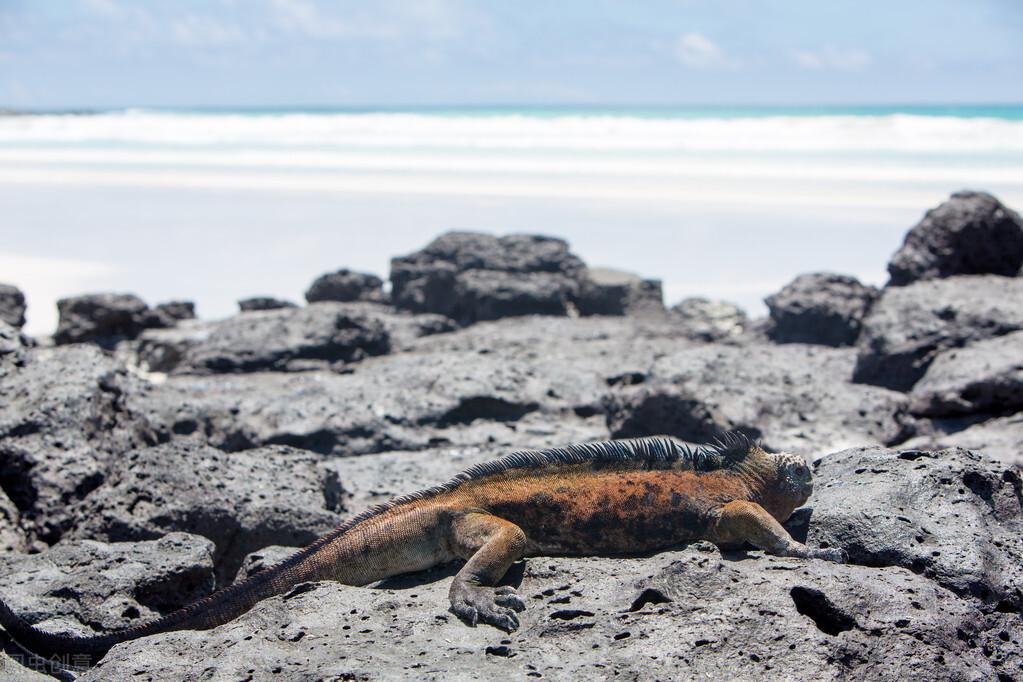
{"x": 726, "y": 202}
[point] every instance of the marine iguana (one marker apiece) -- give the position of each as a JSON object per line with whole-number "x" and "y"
{"x": 612, "y": 497}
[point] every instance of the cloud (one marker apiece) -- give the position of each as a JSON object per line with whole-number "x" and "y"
{"x": 697, "y": 51}
{"x": 832, "y": 58}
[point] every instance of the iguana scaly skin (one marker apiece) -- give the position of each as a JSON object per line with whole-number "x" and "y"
{"x": 614, "y": 497}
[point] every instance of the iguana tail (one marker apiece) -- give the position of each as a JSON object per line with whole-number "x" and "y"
{"x": 208, "y": 612}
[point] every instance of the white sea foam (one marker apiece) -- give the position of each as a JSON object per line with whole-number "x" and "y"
{"x": 835, "y": 133}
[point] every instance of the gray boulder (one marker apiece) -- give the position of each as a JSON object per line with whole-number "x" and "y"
{"x": 344, "y": 286}
{"x": 471, "y": 277}
{"x": 604, "y": 291}
{"x": 707, "y": 320}
{"x": 12, "y": 306}
{"x": 821, "y": 307}
{"x": 288, "y": 338}
{"x": 910, "y": 325}
{"x": 104, "y": 319}
{"x": 64, "y": 413}
{"x": 796, "y": 397}
{"x": 108, "y": 586}
{"x": 242, "y": 501}
{"x": 262, "y": 559}
{"x": 263, "y": 303}
{"x": 985, "y": 377}
{"x": 997, "y": 438}
{"x": 12, "y": 343}
{"x": 952, "y": 516}
{"x": 176, "y": 311}
{"x": 971, "y": 233}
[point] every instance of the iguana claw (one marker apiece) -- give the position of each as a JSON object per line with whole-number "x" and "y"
{"x": 496, "y": 607}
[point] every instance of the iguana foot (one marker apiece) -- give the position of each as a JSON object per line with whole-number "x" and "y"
{"x": 496, "y": 606}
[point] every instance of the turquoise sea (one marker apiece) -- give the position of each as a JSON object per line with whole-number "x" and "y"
{"x": 722, "y": 201}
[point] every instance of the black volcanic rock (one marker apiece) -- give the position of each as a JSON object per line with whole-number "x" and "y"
{"x": 953, "y": 516}
{"x": 263, "y": 303}
{"x": 286, "y": 338}
{"x": 707, "y": 320}
{"x": 796, "y": 397}
{"x": 910, "y": 325}
{"x": 12, "y": 306}
{"x": 604, "y": 291}
{"x": 104, "y": 319}
{"x": 822, "y": 308}
{"x": 107, "y": 585}
{"x": 242, "y": 501}
{"x": 176, "y": 311}
{"x": 970, "y": 234}
{"x": 344, "y": 286}
{"x": 984, "y": 377}
{"x": 64, "y": 417}
{"x": 471, "y": 277}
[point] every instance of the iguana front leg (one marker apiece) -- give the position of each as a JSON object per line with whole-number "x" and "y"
{"x": 490, "y": 545}
{"x": 744, "y": 521}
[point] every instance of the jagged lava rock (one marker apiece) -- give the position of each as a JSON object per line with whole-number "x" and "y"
{"x": 605, "y": 291}
{"x": 285, "y": 339}
{"x": 708, "y": 320}
{"x": 12, "y": 305}
{"x": 12, "y": 343}
{"x": 104, "y": 319}
{"x": 263, "y": 303}
{"x": 345, "y": 286}
{"x": 985, "y": 377}
{"x": 12, "y": 538}
{"x": 953, "y": 516}
{"x": 999, "y": 438}
{"x": 263, "y": 558}
{"x": 910, "y": 325}
{"x": 176, "y": 310}
{"x": 63, "y": 414}
{"x": 796, "y": 397}
{"x": 971, "y": 233}
{"x": 108, "y": 585}
{"x": 471, "y": 277}
{"x": 693, "y": 613}
{"x": 241, "y": 501}
{"x": 821, "y": 307}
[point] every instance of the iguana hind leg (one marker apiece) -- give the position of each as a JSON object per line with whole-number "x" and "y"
{"x": 744, "y": 521}
{"x": 490, "y": 545}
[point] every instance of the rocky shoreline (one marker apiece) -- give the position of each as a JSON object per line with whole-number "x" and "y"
{"x": 147, "y": 457}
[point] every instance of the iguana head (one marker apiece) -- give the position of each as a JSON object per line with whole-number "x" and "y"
{"x": 785, "y": 482}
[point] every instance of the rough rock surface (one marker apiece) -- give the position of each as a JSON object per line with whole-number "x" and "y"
{"x": 263, "y": 303}
{"x": 288, "y": 338}
{"x": 604, "y": 291}
{"x": 176, "y": 310}
{"x": 11, "y": 342}
{"x": 708, "y": 320}
{"x": 108, "y": 585}
{"x": 12, "y": 539}
{"x": 693, "y": 613}
{"x": 12, "y": 306}
{"x": 795, "y": 397}
{"x": 821, "y": 307}
{"x": 1000, "y": 438}
{"x": 471, "y": 277}
{"x": 953, "y": 516}
{"x": 344, "y": 286}
{"x": 985, "y": 377}
{"x": 971, "y": 233}
{"x": 910, "y": 325}
{"x": 63, "y": 416}
{"x": 241, "y": 502}
{"x": 104, "y": 319}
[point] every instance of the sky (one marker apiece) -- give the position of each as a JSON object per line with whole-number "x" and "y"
{"x": 293, "y": 53}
